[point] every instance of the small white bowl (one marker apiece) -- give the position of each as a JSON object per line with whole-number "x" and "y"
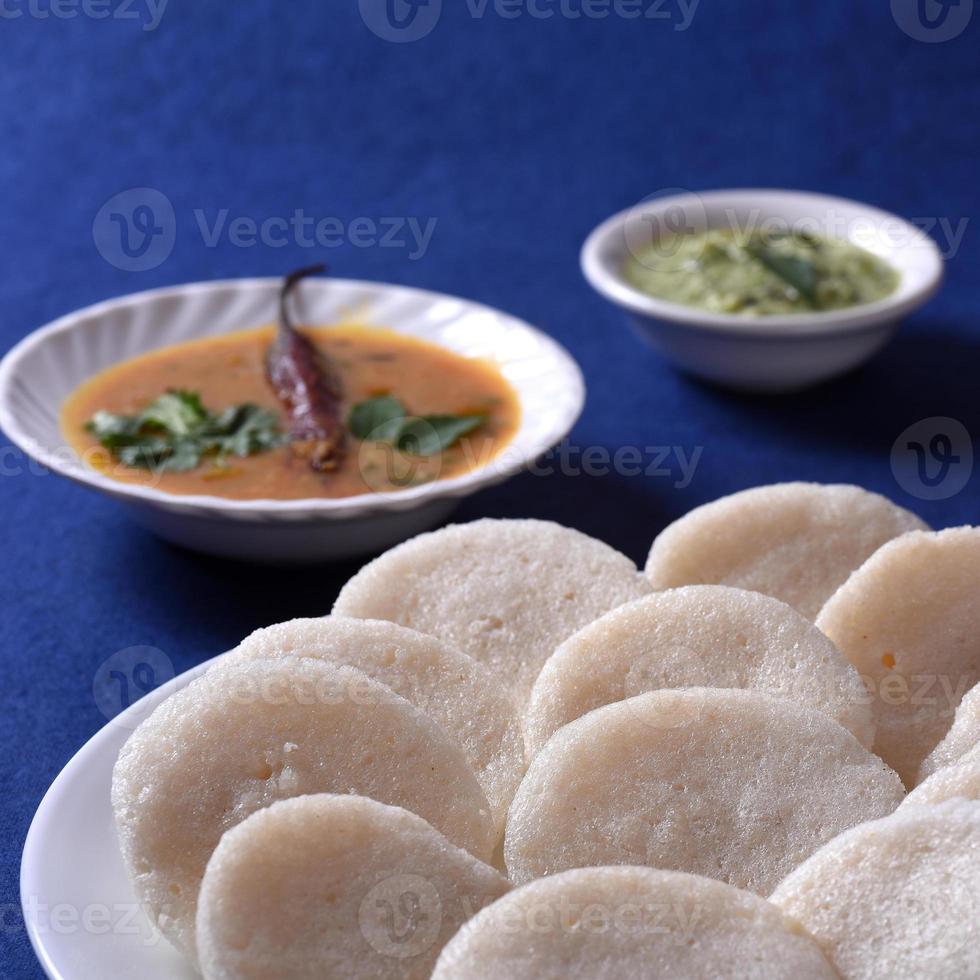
{"x": 765, "y": 353}
{"x": 41, "y": 371}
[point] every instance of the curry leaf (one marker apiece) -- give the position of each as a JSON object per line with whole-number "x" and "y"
{"x": 794, "y": 270}
{"x": 431, "y": 434}
{"x": 384, "y": 419}
{"x": 379, "y": 419}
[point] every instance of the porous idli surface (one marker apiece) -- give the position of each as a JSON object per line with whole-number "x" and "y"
{"x": 730, "y": 784}
{"x": 248, "y": 734}
{"x": 325, "y": 886}
{"x": 453, "y": 689}
{"x": 614, "y": 923}
{"x": 909, "y": 621}
{"x": 696, "y": 636}
{"x": 898, "y": 898}
{"x": 505, "y": 592}
{"x": 795, "y": 541}
{"x": 963, "y": 736}
{"x": 959, "y": 780}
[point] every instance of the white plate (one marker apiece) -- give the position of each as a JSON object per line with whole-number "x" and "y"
{"x": 42, "y": 370}
{"x": 82, "y": 916}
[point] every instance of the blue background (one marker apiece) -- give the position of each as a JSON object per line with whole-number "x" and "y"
{"x": 517, "y": 136}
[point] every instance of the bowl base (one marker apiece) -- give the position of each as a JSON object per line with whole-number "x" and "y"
{"x": 283, "y": 543}
{"x": 763, "y": 365}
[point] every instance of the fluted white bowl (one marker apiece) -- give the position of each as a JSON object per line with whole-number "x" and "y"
{"x": 41, "y": 371}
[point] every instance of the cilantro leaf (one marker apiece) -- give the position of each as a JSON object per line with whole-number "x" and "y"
{"x": 177, "y": 412}
{"x": 175, "y": 432}
{"x": 242, "y": 430}
{"x": 113, "y": 430}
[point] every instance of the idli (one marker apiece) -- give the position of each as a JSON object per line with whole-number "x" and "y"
{"x": 696, "y": 636}
{"x": 247, "y": 734}
{"x": 504, "y": 592}
{"x": 730, "y": 784}
{"x": 963, "y": 736}
{"x": 961, "y": 779}
{"x": 335, "y": 886}
{"x": 795, "y": 541}
{"x": 611, "y": 923}
{"x": 450, "y": 687}
{"x": 909, "y": 620}
{"x": 896, "y": 899}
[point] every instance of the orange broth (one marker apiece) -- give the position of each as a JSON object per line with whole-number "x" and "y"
{"x": 229, "y": 370}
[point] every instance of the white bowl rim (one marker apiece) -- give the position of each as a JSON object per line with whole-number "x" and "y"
{"x": 610, "y": 283}
{"x": 495, "y": 470}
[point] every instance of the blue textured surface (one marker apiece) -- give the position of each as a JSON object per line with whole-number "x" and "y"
{"x": 517, "y": 136}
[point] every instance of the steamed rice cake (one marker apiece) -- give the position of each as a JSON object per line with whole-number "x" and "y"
{"x": 960, "y": 780}
{"x": 896, "y": 899}
{"x": 335, "y": 886}
{"x": 451, "y": 688}
{"x": 730, "y": 784}
{"x": 909, "y": 621}
{"x": 696, "y": 636}
{"x": 505, "y": 592}
{"x": 963, "y": 736}
{"x": 619, "y": 922}
{"x": 795, "y": 541}
{"x": 248, "y": 734}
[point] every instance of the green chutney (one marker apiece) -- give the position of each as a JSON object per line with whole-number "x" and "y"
{"x": 760, "y": 273}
